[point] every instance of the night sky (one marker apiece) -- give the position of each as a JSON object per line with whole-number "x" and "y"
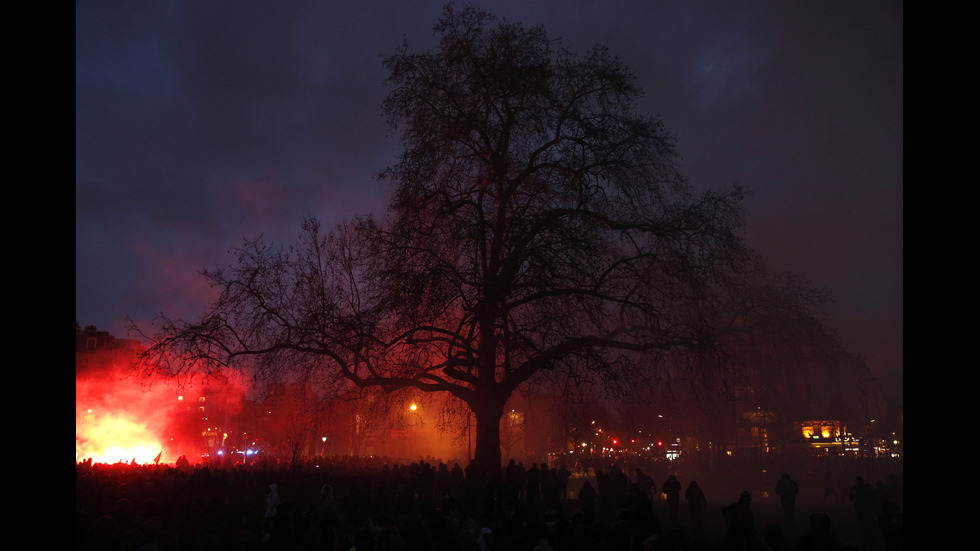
{"x": 201, "y": 124}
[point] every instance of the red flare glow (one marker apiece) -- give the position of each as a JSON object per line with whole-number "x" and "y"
{"x": 120, "y": 418}
{"x": 114, "y": 437}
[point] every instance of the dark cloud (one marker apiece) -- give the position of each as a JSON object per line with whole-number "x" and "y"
{"x": 199, "y": 124}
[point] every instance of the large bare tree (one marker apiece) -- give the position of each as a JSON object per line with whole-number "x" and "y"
{"x": 537, "y": 225}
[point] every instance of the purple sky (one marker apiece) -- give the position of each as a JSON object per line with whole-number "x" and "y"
{"x": 200, "y": 124}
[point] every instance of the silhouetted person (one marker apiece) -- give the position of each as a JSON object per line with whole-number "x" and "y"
{"x": 646, "y": 483}
{"x": 830, "y": 489}
{"x": 775, "y": 538}
{"x": 272, "y": 501}
{"x": 577, "y": 536}
{"x": 516, "y": 515}
{"x": 533, "y": 491}
{"x": 101, "y": 535}
{"x": 843, "y": 484}
{"x": 563, "y": 475}
{"x": 588, "y": 497}
{"x": 882, "y": 494}
{"x": 787, "y": 489}
{"x": 637, "y": 498}
{"x": 457, "y": 478}
{"x": 512, "y": 479}
{"x": 672, "y": 487}
{"x": 604, "y": 489}
{"x": 820, "y": 536}
{"x": 890, "y": 526}
{"x": 551, "y": 488}
{"x": 696, "y": 502}
{"x": 895, "y": 485}
{"x": 862, "y": 494}
{"x": 620, "y": 484}
{"x": 739, "y": 521}
{"x": 441, "y": 483}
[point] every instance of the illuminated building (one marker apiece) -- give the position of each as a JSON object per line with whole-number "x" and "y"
{"x": 825, "y": 435}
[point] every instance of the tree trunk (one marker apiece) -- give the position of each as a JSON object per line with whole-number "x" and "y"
{"x": 486, "y": 457}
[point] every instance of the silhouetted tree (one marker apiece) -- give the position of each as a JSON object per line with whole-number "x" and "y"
{"x": 537, "y": 225}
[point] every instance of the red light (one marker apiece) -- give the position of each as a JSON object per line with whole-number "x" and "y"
{"x": 660, "y": 443}
{"x": 615, "y": 441}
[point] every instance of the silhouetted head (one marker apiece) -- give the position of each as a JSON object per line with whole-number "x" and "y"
{"x": 745, "y": 496}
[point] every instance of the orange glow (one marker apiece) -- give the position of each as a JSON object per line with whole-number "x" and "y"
{"x": 122, "y": 418}
{"x": 113, "y": 438}
{"x": 822, "y": 429}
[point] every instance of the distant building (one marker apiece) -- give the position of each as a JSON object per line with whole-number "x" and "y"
{"x": 96, "y": 349}
{"x": 826, "y": 434}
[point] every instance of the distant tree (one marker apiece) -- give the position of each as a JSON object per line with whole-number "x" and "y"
{"x": 295, "y": 422}
{"x": 538, "y": 226}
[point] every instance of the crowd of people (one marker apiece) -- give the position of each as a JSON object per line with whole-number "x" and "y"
{"x": 348, "y": 504}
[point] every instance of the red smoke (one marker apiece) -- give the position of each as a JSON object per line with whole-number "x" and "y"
{"x": 120, "y": 417}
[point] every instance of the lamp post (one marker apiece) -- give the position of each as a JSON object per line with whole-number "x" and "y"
{"x": 412, "y": 436}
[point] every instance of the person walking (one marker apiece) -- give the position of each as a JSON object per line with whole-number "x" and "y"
{"x": 672, "y": 487}
{"x": 787, "y": 489}
{"x": 696, "y": 503}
